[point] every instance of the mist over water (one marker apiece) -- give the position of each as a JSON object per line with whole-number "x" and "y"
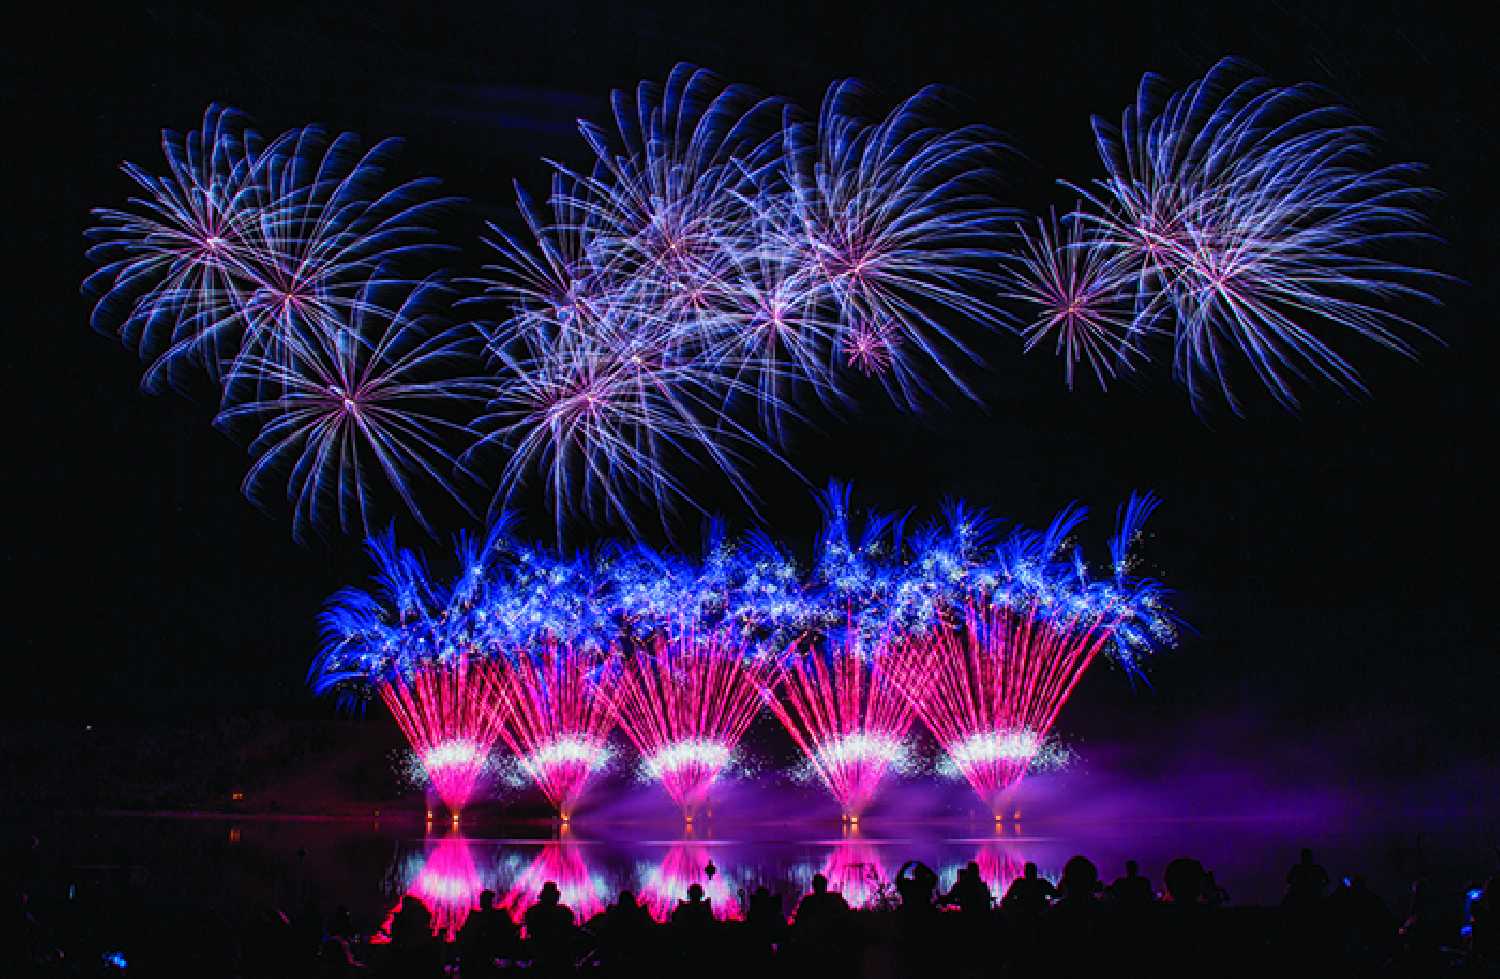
{"x": 1241, "y": 801}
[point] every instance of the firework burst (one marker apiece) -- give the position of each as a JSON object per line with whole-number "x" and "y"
{"x": 1081, "y": 296}
{"x": 1260, "y": 230}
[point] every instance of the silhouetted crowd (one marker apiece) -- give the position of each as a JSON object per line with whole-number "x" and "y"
{"x": 1076, "y": 926}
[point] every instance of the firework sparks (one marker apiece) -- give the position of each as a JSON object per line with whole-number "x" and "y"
{"x": 685, "y": 700}
{"x": 553, "y": 721}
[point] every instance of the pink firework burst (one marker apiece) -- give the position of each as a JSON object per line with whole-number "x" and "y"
{"x": 990, "y": 685}
{"x": 685, "y": 700}
{"x": 449, "y": 715}
{"x": 847, "y": 716}
{"x": 553, "y": 720}
{"x": 869, "y": 345}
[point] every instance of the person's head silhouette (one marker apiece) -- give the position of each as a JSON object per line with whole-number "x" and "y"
{"x": 1131, "y": 868}
{"x": 486, "y": 900}
{"x": 1307, "y": 855}
{"x": 695, "y": 893}
{"x": 1029, "y": 871}
{"x": 549, "y": 894}
{"x": 819, "y": 884}
{"x": 627, "y": 899}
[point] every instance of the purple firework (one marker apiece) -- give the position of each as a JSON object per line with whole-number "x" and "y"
{"x": 1080, "y": 294}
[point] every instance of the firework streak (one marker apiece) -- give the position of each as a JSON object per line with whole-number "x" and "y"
{"x": 684, "y": 701}
{"x": 552, "y": 720}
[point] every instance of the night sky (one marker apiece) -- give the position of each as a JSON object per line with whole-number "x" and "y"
{"x": 1329, "y": 561}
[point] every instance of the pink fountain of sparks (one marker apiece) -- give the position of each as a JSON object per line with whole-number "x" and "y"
{"x": 685, "y": 701}
{"x": 847, "y": 716}
{"x": 989, "y": 687}
{"x": 448, "y": 713}
{"x": 553, "y": 719}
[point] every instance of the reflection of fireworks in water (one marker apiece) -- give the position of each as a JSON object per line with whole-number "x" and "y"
{"x": 554, "y": 721}
{"x": 446, "y": 711}
{"x": 446, "y": 880}
{"x": 847, "y": 718}
{"x": 685, "y": 701}
{"x": 854, "y": 870}
{"x": 681, "y": 867}
{"x": 998, "y": 866}
{"x": 561, "y": 863}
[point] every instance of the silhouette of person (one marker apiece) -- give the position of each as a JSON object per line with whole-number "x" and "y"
{"x": 625, "y": 931}
{"x": 969, "y": 891}
{"x": 1306, "y": 881}
{"x": 413, "y": 950}
{"x": 694, "y": 913}
{"x": 821, "y": 912}
{"x": 765, "y": 918}
{"x": 1133, "y": 890}
{"x": 1184, "y": 879}
{"x": 1028, "y": 894}
{"x": 490, "y": 933}
{"x": 1079, "y": 882}
{"x": 915, "y": 882}
{"x": 549, "y": 930}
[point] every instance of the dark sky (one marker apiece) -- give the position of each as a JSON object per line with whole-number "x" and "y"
{"x": 1327, "y": 560}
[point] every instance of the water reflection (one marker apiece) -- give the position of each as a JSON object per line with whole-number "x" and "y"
{"x": 584, "y": 890}
{"x": 447, "y": 873}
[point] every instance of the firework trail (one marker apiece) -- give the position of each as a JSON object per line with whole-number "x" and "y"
{"x": 1259, "y": 230}
{"x": 1018, "y": 632}
{"x": 1081, "y": 294}
{"x": 552, "y": 719}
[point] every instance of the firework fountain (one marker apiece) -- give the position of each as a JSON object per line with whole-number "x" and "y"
{"x": 833, "y": 695}
{"x": 1015, "y": 627}
{"x": 414, "y": 642}
{"x": 685, "y": 699}
{"x": 552, "y": 718}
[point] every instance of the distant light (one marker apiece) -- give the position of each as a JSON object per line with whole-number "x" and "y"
{"x": 237, "y": 797}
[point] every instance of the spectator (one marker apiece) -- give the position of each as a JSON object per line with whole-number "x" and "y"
{"x": 1030, "y": 893}
{"x": 1133, "y": 891}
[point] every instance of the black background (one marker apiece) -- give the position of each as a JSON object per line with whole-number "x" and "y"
{"x": 1330, "y": 561}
